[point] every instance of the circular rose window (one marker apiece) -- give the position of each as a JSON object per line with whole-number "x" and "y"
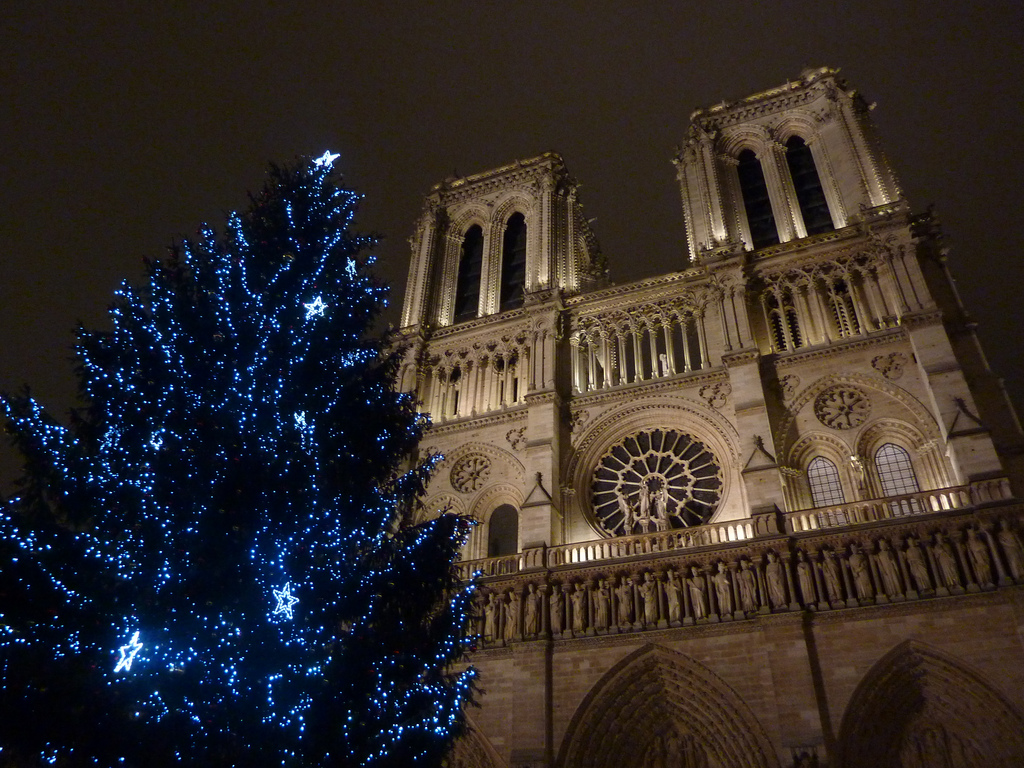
{"x": 655, "y": 480}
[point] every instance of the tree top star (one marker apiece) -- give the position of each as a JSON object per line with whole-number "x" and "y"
{"x": 326, "y": 160}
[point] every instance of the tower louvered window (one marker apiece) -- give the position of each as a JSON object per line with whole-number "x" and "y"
{"x": 467, "y": 286}
{"x": 807, "y": 183}
{"x": 513, "y": 263}
{"x": 756, "y": 202}
{"x": 843, "y": 312}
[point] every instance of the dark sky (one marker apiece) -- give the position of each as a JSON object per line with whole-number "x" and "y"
{"x": 124, "y": 125}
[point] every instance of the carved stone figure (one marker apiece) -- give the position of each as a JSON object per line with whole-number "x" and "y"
{"x": 627, "y": 515}
{"x": 748, "y": 587}
{"x": 696, "y": 587}
{"x": 531, "y": 612}
{"x": 579, "y": 609}
{"x": 673, "y": 595}
{"x": 888, "y": 570}
{"x": 491, "y": 618}
{"x": 557, "y": 609}
{"x": 649, "y": 595}
{"x": 917, "y": 565}
{"x": 946, "y": 562}
{"x": 644, "y": 518}
{"x": 661, "y": 508}
{"x": 861, "y": 573}
{"x": 774, "y": 577}
{"x": 624, "y": 593}
{"x": 602, "y": 604}
{"x": 1012, "y": 550}
{"x": 512, "y": 614}
{"x": 805, "y": 573}
{"x": 977, "y": 550}
{"x": 723, "y": 589}
{"x": 830, "y": 569}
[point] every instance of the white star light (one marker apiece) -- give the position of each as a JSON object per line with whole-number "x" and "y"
{"x": 315, "y": 308}
{"x": 325, "y": 160}
{"x": 128, "y": 653}
{"x": 285, "y": 600}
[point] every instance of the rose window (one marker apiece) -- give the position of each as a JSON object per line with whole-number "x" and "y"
{"x": 842, "y": 407}
{"x": 470, "y": 474}
{"x": 655, "y": 480}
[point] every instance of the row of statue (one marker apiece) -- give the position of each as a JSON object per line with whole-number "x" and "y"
{"x": 882, "y": 570}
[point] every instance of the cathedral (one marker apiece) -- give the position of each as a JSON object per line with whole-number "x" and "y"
{"x": 760, "y": 511}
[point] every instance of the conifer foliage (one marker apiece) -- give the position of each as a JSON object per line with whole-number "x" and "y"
{"x": 216, "y": 563}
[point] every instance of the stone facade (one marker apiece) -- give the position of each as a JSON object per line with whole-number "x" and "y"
{"x": 760, "y": 511}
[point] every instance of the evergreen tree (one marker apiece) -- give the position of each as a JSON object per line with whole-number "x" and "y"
{"x": 216, "y": 563}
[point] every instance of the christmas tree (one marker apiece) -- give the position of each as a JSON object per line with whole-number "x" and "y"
{"x": 218, "y": 561}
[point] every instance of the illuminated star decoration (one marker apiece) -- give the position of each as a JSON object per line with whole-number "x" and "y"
{"x": 156, "y": 441}
{"x": 315, "y": 308}
{"x": 285, "y": 600}
{"x": 325, "y": 160}
{"x": 128, "y": 653}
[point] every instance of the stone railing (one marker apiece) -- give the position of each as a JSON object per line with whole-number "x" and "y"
{"x": 923, "y": 502}
{"x": 664, "y": 580}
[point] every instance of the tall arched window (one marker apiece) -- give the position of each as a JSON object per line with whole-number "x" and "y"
{"x": 823, "y": 479}
{"x": 896, "y": 474}
{"x": 467, "y": 286}
{"x": 783, "y": 322}
{"x": 503, "y": 531}
{"x": 756, "y": 202}
{"x": 513, "y": 262}
{"x": 809, "y": 193}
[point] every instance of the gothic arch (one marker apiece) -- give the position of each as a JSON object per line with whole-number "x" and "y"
{"x": 919, "y": 706}
{"x": 738, "y": 138}
{"x": 473, "y": 750}
{"x": 655, "y": 692}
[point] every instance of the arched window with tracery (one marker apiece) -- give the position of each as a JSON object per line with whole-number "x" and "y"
{"x": 467, "y": 285}
{"x": 513, "y": 263}
{"x": 810, "y": 195}
{"x": 756, "y": 203}
{"x": 782, "y": 318}
{"x": 824, "y": 482}
{"x": 844, "y": 315}
{"x": 897, "y": 477}
{"x": 503, "y": 531}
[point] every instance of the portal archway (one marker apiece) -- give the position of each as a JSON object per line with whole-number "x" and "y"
{"x": 658, "y": 707}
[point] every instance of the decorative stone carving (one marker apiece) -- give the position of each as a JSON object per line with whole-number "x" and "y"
{"x": 697, "y": 589}
{"x": 891, "y": 366}
{"x": 888, "y": 570}
{"x": 531, "y": 612}
{"x": 805, "y": 575}
{"x": 470, "y": 473}
{"x": 788, "y": 384}
{"x": 716, "y": 395}
{"x": 723, "y": 590}
{"x": 946, "y": 562}
{"x": 491, "y": 618}
{"x": 624, "y": 595}
{"x": 774, "y": 577}
{"x": 511, "y": 607}
{"x": 557, "y": 609}
{"x": 861, "y": 570}
{"x": 578, "y": 598}
{"x": 602, "y": 606}
{"x": 842, "y": 407}
{"x": 674, "y": 597}
{"x": 577, "y": 420}
{"x": 516, "y": 438}
{"x": 649, "y": 595}
{"x": 655, "y": 480}
{"x": 747, "y": 587}
{"x": 977, "y": 550}
{"x": 833, "y": 580}
{"x": 917, "y": 565}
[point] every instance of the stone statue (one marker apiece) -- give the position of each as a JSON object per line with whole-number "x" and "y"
{"x": 661, "y": 508}
{"x": 491, "y": 618}
{"x": 748, "y": 587}
{"x": 602, "y": 604}
{"x": 888, "y": 569}
{"x": 644, "y": 518}
{"x": 531, "y": 625}
{"x": 627, "y": 515}
{"x": 624, "y": 593}
{"x": 918, "y": 567}
{"x": 1011, "y": 549}
{"x": 579, "y": 609}
{"x": 805, "y": 573}
{"x": 774, "y": 576}
{"x": 696, "y": 586}
{"x": 830, "y": 569}
{"x": 861, "y": 573}
{"x": 673, "y": 595}
{"x": 557, "y": 609}
{"x": 946, "y": 562}
{"x": 723, "y": 589}
{"x": 512, "y": 614}
{"x": 649, "y": 595}
{"x": 977, "y": 550}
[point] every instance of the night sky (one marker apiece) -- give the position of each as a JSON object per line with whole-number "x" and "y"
{"x": 123, "y": 126}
